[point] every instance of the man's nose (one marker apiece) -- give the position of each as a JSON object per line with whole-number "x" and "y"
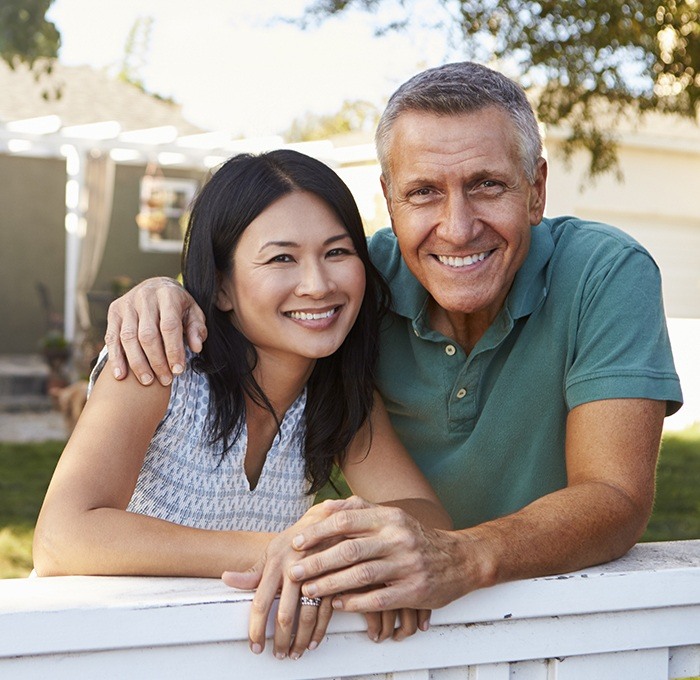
{"x": 315, "y": 280}
{"x": 459, "y": 223}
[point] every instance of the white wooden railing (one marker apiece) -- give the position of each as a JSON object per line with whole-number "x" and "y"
{"x": 634, "y": 619}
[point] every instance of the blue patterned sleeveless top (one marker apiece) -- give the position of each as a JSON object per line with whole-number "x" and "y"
{"x": 185, "y": 480}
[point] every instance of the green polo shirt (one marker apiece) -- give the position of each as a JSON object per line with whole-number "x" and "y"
{"x": 583, "y": 321}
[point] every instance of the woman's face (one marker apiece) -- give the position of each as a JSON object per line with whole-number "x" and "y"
{"x": 297, "y": 284}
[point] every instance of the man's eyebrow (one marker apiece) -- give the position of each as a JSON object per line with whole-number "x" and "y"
{"x": 417, "y": 182}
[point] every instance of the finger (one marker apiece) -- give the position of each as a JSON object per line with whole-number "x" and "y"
{"x": 195, "y": 329}
{"x": 374, "y": 624}
{"x": 243, "y": 580}
{"x": 172, "y": 310}
{"x": 138, "y": 360}
{"x": 424, "y": 619}
{"x": 325, "y": 611}
{"x": 338, "y": 558}
{"x": 350, "y": 516}
{"x": 408, "y": 624}
{"x": 114, "y": 346}
{"x": 388, "y": 622}
{"x": 150, "y": 342}
{"x": 260, "y": 610}
{"x": 286, "y": 618}
{"x": 308, "y": 615}
{"x": 377, "y": 599}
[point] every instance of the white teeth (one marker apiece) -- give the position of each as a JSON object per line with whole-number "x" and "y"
{"x": 305, "y": 316}
{"x": 462, "y": 261}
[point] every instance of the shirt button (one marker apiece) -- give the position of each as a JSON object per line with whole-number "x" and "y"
{"x": 415, "y": 332}
{"x": 450, "y": 350}
{"x": 461, "y": 394}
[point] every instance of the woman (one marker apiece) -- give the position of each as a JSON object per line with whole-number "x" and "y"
{"x": 218, "y": 470}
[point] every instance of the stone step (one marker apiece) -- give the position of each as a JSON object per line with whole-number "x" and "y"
{"x": 23, "y": 383}
{"x": 26, "y": 403}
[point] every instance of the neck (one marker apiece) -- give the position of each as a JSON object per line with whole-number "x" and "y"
{"x": 465, "y": 329}
{"x": 282, "y": 380}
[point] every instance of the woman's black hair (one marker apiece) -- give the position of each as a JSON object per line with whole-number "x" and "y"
{"x": 341, "y": 386}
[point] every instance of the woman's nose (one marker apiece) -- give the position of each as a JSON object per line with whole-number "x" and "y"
{"x": 315, "y": 281}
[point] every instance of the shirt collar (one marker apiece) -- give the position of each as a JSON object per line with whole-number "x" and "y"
{"x": 530, "y": 284}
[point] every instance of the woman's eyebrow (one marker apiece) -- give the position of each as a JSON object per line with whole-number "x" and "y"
{"x": 279, "y": 244}
{"x": 338, "y": 237}
{"x": 294, "y": 244}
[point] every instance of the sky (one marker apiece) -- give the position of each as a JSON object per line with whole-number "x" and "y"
{"x": 232, "y": 69}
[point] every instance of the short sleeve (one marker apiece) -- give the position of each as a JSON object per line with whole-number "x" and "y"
{"x": 622, "y": 348}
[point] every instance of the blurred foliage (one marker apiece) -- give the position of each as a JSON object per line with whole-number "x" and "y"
{"x": 27, "y": 37}
{"x": 353, "y": 116}
{"x": 25, "y": 472}
{"x": 136, "y": 49}
{"x": 676, "y": 515}
{"x": 589, "y": 64}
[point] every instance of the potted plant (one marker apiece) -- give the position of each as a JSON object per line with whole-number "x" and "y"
{"x": 57, "y": 351}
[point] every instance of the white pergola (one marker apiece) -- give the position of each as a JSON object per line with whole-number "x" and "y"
{"x": 48, "y": 137}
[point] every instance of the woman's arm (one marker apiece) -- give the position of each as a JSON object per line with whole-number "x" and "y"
{"x": 84, "y": 528}
{"x": 379, "y": 469}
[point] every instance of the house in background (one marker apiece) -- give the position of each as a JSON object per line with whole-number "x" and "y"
{"x": 655, "y": 202}
{"x": 33, "y": 191}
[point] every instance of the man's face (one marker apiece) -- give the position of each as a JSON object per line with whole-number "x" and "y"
{"x": 461, "y": 206}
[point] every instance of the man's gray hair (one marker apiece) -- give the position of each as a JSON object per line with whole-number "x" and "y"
{"x": 454, "y": 89}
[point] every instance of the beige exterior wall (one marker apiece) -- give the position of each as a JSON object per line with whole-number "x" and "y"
{"x": 656, "y": 202}
{"x": 33, "y": 244}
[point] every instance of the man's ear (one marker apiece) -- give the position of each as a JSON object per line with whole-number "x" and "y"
{"x": 538, "y": 195}
{"x": 387, "y": 198}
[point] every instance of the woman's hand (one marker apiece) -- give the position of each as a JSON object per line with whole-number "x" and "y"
{"x": 382, "y": 625}
{"x": 298, "y": 626}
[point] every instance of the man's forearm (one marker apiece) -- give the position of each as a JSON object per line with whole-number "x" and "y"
{"x": 567, "y": 530}
{"x": 408, "y": 565}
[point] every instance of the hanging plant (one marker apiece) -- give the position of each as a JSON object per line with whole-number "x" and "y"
{"x": 154, "y": 199}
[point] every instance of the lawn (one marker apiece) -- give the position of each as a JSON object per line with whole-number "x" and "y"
{"x": 25, "y": 471}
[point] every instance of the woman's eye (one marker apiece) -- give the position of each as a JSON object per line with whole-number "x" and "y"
{"x": 337, "y": 252}
{"x": 282, "y": 258}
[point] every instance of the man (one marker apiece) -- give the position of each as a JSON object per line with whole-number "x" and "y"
{"x": 526, "y": 365}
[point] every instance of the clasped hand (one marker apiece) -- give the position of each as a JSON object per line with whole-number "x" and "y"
{"x": 298, "y": 626}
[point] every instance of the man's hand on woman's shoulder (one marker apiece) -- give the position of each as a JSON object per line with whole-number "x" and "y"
{"x": 145, "y": 329}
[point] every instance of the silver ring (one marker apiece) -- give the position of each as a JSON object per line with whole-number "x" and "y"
{"x": 310, "y": 601}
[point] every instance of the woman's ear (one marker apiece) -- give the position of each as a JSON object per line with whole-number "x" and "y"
{"x": 223, "y": 299}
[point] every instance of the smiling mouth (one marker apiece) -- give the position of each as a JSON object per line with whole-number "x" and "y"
{"x": 312, "y": 316}
{"x": 463, "y": 261}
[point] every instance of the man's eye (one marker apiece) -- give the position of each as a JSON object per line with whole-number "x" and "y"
{"x": 421, "y": 195}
